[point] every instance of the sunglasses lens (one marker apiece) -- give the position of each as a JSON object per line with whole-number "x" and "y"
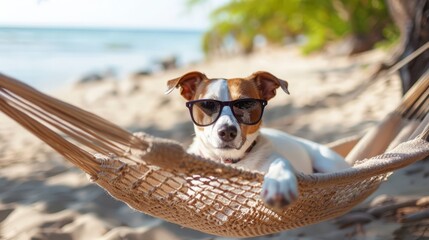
{"x": 205, "y": 112}
{"x": 248, "y": 111}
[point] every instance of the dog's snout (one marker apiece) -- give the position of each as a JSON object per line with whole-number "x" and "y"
{"x": 227, "y": 133}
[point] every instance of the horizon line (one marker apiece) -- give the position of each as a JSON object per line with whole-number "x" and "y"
{"x": 114, "y": 28}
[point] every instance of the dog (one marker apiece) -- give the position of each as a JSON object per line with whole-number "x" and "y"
{"x": 227, "y": 121}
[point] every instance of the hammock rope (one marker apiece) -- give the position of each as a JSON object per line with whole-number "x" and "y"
{"x": 156, "y": 176}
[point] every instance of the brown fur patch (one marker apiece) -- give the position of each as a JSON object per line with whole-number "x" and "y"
{"x": 244, "y": 88}
{"x": 201, "y": 89}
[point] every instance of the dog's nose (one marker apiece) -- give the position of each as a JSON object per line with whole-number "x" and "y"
{"x": 227, "y": 133}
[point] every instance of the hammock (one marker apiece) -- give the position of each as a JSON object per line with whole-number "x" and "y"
{"x": 156, "y": 176}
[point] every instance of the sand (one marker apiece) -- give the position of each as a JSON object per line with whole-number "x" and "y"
{"x": 42, "y": 196}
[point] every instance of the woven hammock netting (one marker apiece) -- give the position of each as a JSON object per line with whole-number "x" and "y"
{"x": 156, "y": 176}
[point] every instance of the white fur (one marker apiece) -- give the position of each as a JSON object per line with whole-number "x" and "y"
{"x": 277, "y": 154}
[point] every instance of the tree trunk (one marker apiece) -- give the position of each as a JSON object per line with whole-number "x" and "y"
{"x": 412, "y": 19}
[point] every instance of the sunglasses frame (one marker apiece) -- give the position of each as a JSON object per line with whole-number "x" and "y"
{"x": 222, "y": 104}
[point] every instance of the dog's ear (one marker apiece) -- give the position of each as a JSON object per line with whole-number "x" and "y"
{"x": 188, "y": 84}
{"x": 267, "y": 84}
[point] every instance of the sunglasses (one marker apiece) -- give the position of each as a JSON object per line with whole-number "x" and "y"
{"x": 205, "y": 112}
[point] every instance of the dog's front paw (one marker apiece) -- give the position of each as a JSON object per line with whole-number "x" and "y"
{"x": 280, "y": 187}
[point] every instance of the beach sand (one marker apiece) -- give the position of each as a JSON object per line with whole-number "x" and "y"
{"x": 42, "y": 196}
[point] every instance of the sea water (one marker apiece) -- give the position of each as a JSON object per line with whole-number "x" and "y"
{"x": 47, "y": 58}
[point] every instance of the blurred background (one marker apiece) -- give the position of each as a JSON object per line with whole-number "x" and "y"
{"x": 50, "y": 42}
{"x": 114, "y": 57}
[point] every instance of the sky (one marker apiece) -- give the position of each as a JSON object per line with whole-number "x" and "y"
{"x": 154, "y": 14}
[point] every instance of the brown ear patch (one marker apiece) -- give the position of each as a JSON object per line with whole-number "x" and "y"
{"x": 268, "y": 83}
{"x": 188, "y": 84}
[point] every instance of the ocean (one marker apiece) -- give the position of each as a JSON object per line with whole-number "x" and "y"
{"x": 48, "y": 58}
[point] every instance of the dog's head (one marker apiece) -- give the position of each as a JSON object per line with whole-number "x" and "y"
{"x": 227, "y": 112}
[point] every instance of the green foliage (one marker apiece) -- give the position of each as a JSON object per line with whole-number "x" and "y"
{"x": 320, "y": 21}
